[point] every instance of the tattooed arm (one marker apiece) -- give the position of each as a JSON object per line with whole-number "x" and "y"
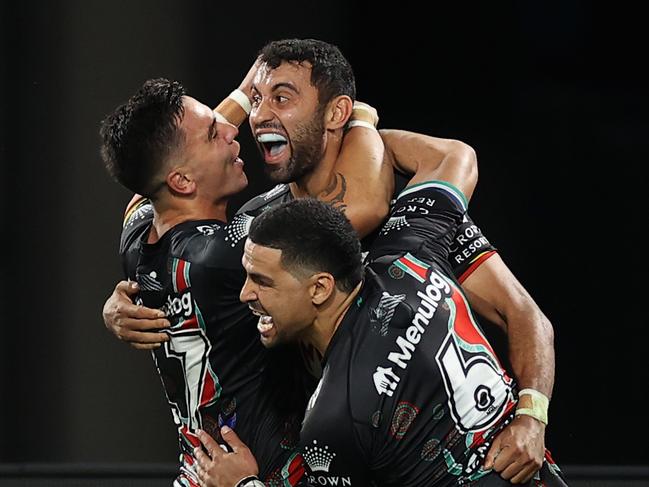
{"x": 362, "y": 182}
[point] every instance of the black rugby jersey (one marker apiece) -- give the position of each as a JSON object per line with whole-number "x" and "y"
{"x": 469, "y": 249}
{"x": 214, "y": 369}
{"x": 411, "y": 393}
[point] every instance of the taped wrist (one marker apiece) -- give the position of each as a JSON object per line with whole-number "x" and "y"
{"x": 363, "y": 116}
{"x": 234, "y": 109}
{"x": 536, "y": 405}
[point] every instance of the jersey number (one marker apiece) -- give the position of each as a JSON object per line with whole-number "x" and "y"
{"x": 477, "y": 388}
{"x": 191, "y": 348}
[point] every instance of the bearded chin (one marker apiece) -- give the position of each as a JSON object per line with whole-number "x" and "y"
{"x": 308, "y": 150}
{"x": 299, "y": 165}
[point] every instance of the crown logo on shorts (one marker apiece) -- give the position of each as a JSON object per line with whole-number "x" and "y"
{"x": 318, "y": 458}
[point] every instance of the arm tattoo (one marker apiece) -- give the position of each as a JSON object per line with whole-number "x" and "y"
{"x": 334, "y": 194}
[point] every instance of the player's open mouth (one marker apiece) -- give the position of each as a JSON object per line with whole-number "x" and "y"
{"x": 274, "y": 147}
{"x": 265, "y": 324}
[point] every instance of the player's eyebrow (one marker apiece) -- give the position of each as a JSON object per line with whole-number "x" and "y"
{"x": 285, "y": 84}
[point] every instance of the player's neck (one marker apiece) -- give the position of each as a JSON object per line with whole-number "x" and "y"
{"x": 320, "y": 182}
{"x": 166, "y": 217}
{"x": 330, "y": 316}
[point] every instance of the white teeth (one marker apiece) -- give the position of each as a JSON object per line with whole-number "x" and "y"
{"x": 265, "y": 324}
{"x": 263, "y": 138}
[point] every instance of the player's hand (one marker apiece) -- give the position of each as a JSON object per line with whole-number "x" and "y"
{"x": 132, "y": 323}
{"x": 518, "y": 450}
{"x": 246, "y": 84}
{"x": 218, "y": 468}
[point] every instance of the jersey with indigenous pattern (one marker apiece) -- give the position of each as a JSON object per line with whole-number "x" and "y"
{"x": 214, "y": 369}
{"x": 469, "y": 249}
{"x": 411, "y": 392}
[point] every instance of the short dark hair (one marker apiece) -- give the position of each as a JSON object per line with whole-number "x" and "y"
{"x": 313, "y": 237}
{"x": 140, "y": 134}
{"x": 331, "y": 73}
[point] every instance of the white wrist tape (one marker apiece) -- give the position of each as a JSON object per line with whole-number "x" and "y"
{"x": 361, "y": 123}
{"x": 540, "y": 404}
{"x": 220, "y": 118}
{"x": 241, "y": 99}
{"x": 359, "y": 105}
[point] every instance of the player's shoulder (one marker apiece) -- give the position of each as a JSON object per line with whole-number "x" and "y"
{"x": 260, "y": 203}
{"x": 384, "y": 311}
{"x": 138, "y": 215}
{"x": 137, "y": 220}
{"x": 207, "y": 243}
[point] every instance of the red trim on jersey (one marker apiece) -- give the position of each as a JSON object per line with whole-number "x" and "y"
{"x": 464, "y": 326}
{"x": 475, "y": 264}
{"x": 191, "y": 438}
{"x": 209, "y": 389}
{"x": 414, "y": 267}
{"x": 190, "y": 323}
{"x": 189, "y": 480}
{"x": 296, "y": 470}
{"x": 181, "y": 283}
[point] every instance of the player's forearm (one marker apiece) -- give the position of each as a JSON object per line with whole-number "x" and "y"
{"x": 531, "y": 349}
{"x": 429, "y": 157}
{"x": 409, "y": 151}
{"x": 236, "y": 107}
{"x": 364, "y": 184}
{"x": 496, "y": 294}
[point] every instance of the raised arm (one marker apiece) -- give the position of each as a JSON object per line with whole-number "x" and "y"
{"x": 426, "y": 158}
{"x": 364, "y": 182}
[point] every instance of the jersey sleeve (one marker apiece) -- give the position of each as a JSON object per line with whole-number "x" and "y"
{"x": 423, "y": 221}
{"x": 137, "y": 218}
{"x": 470, "y": 248}
{"x": 137, "y": 221}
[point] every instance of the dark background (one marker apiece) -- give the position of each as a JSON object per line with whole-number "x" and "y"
{"x": 553, "y": 97}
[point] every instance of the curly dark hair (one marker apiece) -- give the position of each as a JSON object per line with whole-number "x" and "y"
{"x": 140, "y": 134}
{"x": 331, "y": 73}
{"x": 313, "y": 237}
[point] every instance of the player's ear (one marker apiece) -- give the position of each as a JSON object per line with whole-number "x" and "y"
{"x": 179, "y": 181}
{"x": 322, "y": 286}
{"x": 338, "y": 112}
